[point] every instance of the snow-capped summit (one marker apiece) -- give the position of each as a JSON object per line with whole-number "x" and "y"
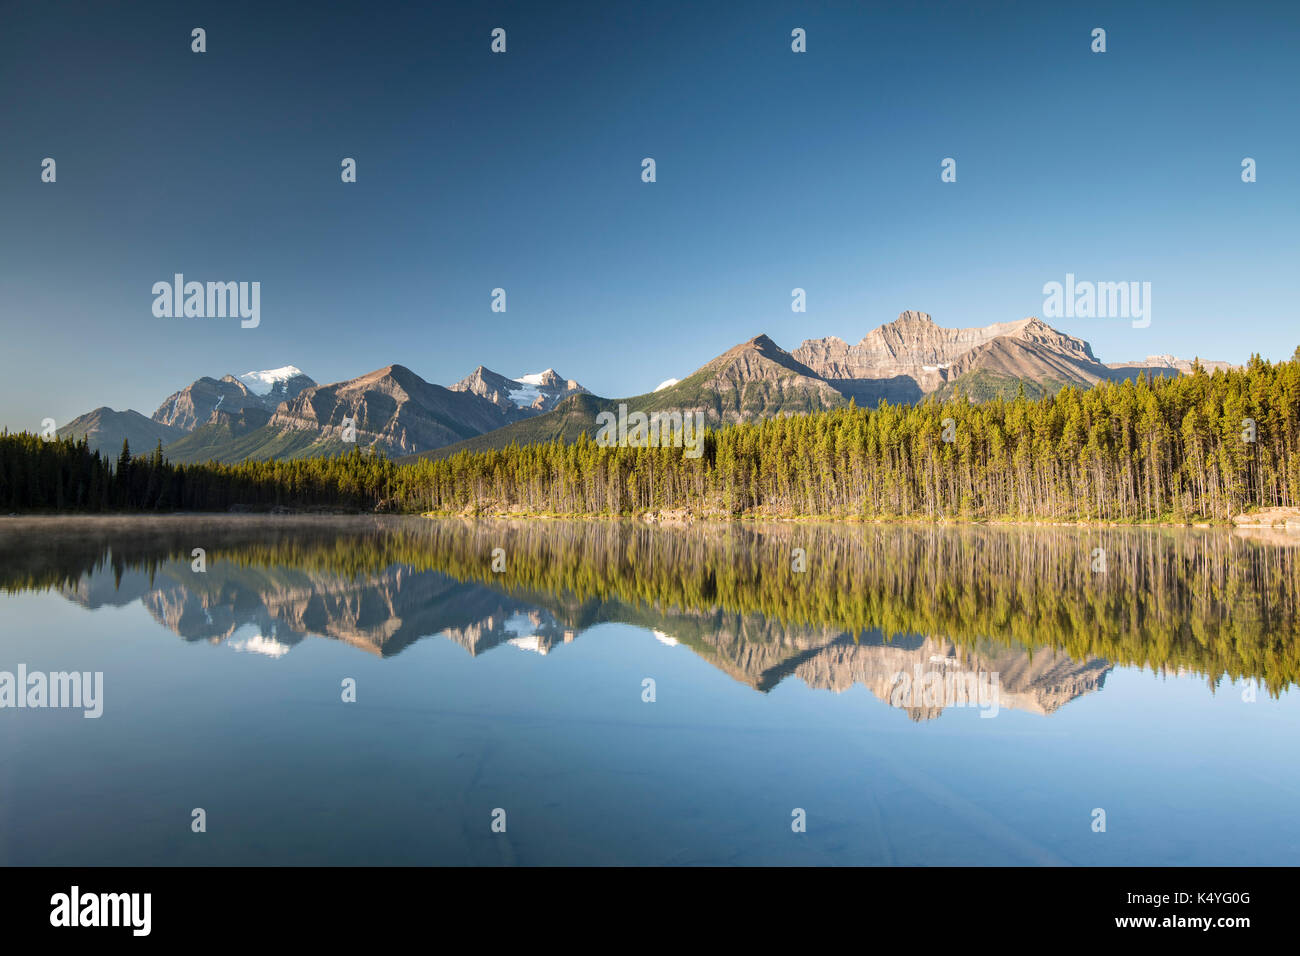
{"x": 261, "y": 383}
{"x": 549, "y": 377}
{"x": 535, "y": 393}
{"x": 533, "y": 390}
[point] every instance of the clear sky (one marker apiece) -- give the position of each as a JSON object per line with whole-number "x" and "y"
{"x": 522, "y": 170}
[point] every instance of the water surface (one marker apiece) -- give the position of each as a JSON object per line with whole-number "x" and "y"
{"x": 923, "y": 695}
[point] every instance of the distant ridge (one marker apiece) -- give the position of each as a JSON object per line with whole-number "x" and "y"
{"x": 105, "y": 429}
{"x": 282, "y": 413}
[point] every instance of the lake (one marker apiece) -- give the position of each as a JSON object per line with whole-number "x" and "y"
{"x": 389, "y": 690}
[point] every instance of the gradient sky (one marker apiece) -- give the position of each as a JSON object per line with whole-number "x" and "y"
{"x": 522, "y": 170}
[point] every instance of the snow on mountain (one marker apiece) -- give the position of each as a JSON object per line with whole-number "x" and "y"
{"x": 528, "y": 392}
{"x": 261, "y": 383}
{"x": 535, "y": 393}
{"x": 533, "y": 387}
{"x": 666, "y": 383}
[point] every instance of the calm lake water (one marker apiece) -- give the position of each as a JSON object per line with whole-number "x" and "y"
{"x": 914, "y": 695}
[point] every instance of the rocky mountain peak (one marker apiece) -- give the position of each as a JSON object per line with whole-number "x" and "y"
{"x": 392, "y": 408}
{"x": 528, "y": 394}
{"x": 912, "y": 356}
{"x": 276, "y": 385}
{"x": 911, "y": 317}
{"x": 764, "y": 343}
{"x": 757, "y": 377}
{"x": 193, "y": 405}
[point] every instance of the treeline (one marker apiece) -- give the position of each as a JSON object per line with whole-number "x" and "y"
{"x": 66, "y": 475}
{"x": 1197, "y": 446}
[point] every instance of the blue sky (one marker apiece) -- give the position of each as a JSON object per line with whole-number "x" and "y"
{"x": 775, "y": 170}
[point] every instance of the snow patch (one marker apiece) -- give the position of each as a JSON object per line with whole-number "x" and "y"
{"x": 537, "y": 378}
{"x": 261, "y": 383}
{"x": 529, "y": 391}
{"x": 666, "y": 383}
{"x": 525, "y": 396}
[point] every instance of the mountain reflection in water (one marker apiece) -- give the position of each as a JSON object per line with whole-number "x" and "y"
{"x": 878, "y": 605}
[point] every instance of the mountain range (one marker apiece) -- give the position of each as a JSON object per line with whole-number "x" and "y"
{"x": 900, "y": 362}
{"x": 283, "y": 413}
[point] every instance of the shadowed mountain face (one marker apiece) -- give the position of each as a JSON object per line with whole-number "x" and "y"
{"x": 393, "y": 408}
{"x": 224, "y": 404}
{"x": 193, "y": 405}
{"x": 924, "y": 619}
{"x": 754, "y": 380}
{"x": 105, "y": 429}
{"x": 390, "y": 409}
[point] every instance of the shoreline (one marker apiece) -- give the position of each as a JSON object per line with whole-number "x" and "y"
{"x": 1284, "y": 522}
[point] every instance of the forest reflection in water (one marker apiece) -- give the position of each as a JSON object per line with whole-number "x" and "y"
{"x": 1047, "y": 611}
